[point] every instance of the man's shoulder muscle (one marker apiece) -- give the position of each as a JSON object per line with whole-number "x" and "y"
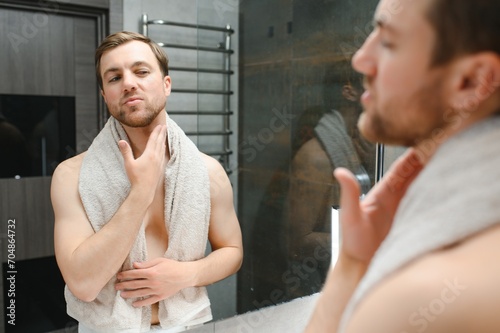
{"x": 212, "y": 164}
{"x": 218, "y": 176}
{"x": 69, "y": 168}
{"x": 450, "y": 290}
{"x": 65, "y": 179}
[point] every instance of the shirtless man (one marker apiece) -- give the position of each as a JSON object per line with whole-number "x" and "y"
{"x": 129, "y": 64}
{"x": 432, "y": 77}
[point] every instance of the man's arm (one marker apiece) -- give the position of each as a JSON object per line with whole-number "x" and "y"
{"x": 160, "y": 278}
{"x": 311, "y": 197}
{"x": 364, "y": 226}
{"x": 88, "y": 260}
{"x": 224, "y": 233}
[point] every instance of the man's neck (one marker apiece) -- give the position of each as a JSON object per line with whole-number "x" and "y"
{"x": 138, "y": 136}
{"x": 463, "y": 120}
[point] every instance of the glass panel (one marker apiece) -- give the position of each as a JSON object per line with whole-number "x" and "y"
{"x": 36, "y": 134}
{"x": 298, "y": 111}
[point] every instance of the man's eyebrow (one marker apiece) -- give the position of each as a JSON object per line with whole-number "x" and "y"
{"x": 383, "y": 24}
{"x": 135, "y": 64}
{"x": 140, "y": 63}
{"x": 110, "y": 70}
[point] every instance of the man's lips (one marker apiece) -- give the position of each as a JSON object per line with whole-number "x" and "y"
{"x": 132, "y": 101}
{"x": 366, "y": 97}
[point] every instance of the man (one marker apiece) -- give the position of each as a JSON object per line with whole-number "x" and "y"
{"x": 420, "y": 252}
{"x": 132, "y": 214}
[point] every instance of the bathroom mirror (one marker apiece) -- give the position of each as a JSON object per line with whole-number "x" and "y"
{"x": 298, "y": 113}
{"x": 294, "y": 99}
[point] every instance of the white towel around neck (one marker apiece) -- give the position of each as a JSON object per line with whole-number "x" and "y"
{"x": 103, "y": 187}
{"x": 455, "y": 196}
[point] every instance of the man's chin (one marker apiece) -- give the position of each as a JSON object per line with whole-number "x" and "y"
{"x": 366, "y": 129}
{"x": 375, "y": 131}
{"x": 136, "y": 118}
{"x": 135, "y": 123}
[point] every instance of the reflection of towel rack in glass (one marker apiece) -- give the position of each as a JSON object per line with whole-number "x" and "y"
{"x": 225, "y": 111}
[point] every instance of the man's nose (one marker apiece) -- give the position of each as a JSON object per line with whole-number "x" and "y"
{"x": 129, "y": 82}
{"x": 363, "y": 60}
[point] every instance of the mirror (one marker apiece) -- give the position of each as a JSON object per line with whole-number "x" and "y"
{"x": 295, "y": 111}
{"x": 298, "y": 113}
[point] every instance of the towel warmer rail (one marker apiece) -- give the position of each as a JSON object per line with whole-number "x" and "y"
{"x": 225, "y": 112}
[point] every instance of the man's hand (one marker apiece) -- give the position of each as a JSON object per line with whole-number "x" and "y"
{"x": 365, "y": 223}
{"x": 155, "y": 280}
{"x": 146, "y": 171}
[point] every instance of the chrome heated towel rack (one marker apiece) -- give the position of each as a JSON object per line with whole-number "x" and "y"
{"x": 224, "y": 48}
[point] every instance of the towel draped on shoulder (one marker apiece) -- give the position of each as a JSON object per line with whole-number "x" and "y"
{"x": 454, "y": 196}
{"x": 103, "y": 186}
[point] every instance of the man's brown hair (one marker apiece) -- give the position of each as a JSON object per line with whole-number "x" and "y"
{"x": 120, "y": 38}
{"x": 464, "y": 27}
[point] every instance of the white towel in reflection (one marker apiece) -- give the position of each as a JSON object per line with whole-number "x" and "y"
{"x": 332, "y": 133}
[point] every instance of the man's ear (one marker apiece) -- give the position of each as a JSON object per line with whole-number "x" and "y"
{"x": 167, "y": 82}
{"x": 475, "y": 78}
{"x": 103, "y": 96}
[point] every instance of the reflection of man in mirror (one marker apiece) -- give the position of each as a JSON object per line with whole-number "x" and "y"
{"x": 333, "y": 141}
{"x": 420, "y": 252}
{"x": 291, "y": 240}
{"x": 15, "y": 158}
{"x": 133, "y": 212}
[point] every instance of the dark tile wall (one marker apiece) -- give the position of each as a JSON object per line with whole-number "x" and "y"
{"x": 294, "y": 66}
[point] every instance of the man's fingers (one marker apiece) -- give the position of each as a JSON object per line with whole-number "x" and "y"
{"x": 148, "y": 263}
{"x": 134, "y": 293}
{"x": 161, "y": 139}
{"x": 132, "y": 274}
{"x": 131, "y": 284}
{"x": 163, "y": 134}
{"x": 156, "y": 138}
{"x": 146, "y": 301}
{"x": 126, "y": 151}
{"x": 350, "y": 191}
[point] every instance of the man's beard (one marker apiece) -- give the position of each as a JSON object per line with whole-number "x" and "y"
{"x": 126, "y": 117}
{"x": 428, "y": 101}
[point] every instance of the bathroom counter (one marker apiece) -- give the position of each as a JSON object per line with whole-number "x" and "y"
{"x": 291, "y": 317}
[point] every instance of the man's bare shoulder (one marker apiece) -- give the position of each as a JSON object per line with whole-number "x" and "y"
{"x": 212, "y": 164}
{"x": 215, "y": 169}
{"x": 219, "y": 181}
{"x": 311, "y": 163}
{"x": 451, "y": 290}
{"x": 68, "y": 169}
{"x": 64, "y": 188}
